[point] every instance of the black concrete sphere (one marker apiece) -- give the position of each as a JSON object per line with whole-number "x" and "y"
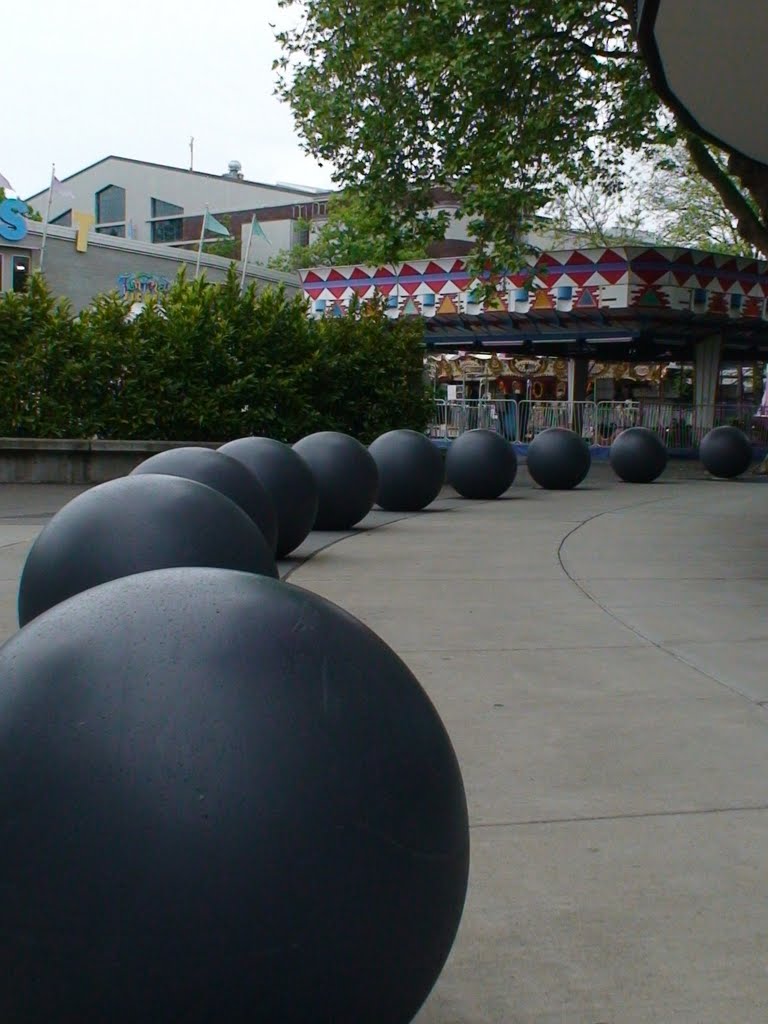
{"x": 411, "y": 470}
{"x": 480, "y": 464}
{"x": 287, "y": 480}
{"x": 346, "y": 478}
{"x": 223, "y": 799}
{"x": 558, "y": 459}
{"x": 132, "y": 525}
{"x": 222, "y": 474}
{"x": 726, "y": 452}
{"x": 638, "y": 455}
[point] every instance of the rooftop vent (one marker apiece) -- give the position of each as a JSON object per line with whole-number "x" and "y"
{"x": 235, "y": 170}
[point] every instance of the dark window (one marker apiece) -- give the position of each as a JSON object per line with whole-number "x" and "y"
{"x": 20, "y": 273}
{"x": 162, "y": 209}
{"x": 167, "y": 230}
{"x": 170, "y": 230}
{"x": 116, "y": 230}
{"x": 64, "y": 220}
{"x": 110, "y": 205}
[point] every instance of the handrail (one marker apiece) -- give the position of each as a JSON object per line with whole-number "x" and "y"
{"x": 678, "y": 425}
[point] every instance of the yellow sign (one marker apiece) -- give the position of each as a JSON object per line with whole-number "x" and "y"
{"x": 83, "y": 222}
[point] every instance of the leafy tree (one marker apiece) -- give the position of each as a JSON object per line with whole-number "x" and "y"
{"x": 507, "y": 103}
{"x": 687, "y": 210}
{"x": 30, "y": 214}
{"x": 353, "y": 234}
{"x": 666, "y": 202}
{"x": 587, "y": 215}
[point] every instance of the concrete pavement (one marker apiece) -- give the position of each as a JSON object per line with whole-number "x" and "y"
{"x": 600, "y": 659}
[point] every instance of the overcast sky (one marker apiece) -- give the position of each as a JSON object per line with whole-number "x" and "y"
{"x": 82, "y": 80}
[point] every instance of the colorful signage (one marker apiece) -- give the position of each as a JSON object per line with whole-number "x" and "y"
{"x": 139, "y": 287}
{"x": 13, "y": 226}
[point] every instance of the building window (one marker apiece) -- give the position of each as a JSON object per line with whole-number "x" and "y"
{"x": 171, "y": 227}
{"x": 64, "y": 220}
{"x": 168, "y": 230}
{"x": 20, "y": 273}
{"x": 116, "y": 230}
{"x": 110, "y": 205}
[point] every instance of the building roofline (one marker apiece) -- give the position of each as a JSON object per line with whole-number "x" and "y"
{"x": 165, "y": 252}
{"x": 171, "y": 167}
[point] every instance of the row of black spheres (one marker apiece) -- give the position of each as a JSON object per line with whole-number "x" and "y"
{"x": 327, "y": 481}
{"x": 481, "y": 464}
{"x": 223, "y": 798}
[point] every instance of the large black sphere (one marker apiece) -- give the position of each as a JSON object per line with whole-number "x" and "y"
{"x": 638, "y": 455}
{"x": 480, "y": 464}
{"x": 345, "y": 475}
{"x": 287, "y": 480}
{"x": 411, "y": 470}
{"x": 726, "y": 452}
{"x": 223, "y": 799}
{"x": 558, "y": 459}
{"x": 222, "y": 474}
{"x": 132, "y": 525}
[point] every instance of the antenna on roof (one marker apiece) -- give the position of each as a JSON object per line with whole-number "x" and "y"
{"x": 192, "y": 153}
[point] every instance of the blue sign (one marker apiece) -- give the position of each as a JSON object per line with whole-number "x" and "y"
{"x": 13, "y": 226}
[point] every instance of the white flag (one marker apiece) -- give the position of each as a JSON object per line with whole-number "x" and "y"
{"x": 58, "y": 189}
{"x": 4, "y": 183}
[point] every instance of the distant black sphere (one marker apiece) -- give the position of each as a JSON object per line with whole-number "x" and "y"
{"x": 480, "y": 464}
{"x": 638, "y": 455}
{"x": 287, "y": 480}
{"x": 346, "y": 478}
{"x": 132, "y": 525}
{"x": 208, "y": 817}
{"x": 411, "y": 470}
{"x": 726, "y": 452}
{"x": 558, "y": 459}
{"x": 223, "y": 474}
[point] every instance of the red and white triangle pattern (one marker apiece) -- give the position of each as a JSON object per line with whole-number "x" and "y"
{"x": 605, "y": 274}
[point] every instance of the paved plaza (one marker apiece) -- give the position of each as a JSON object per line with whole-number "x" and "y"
{"x": 600, "y": 659}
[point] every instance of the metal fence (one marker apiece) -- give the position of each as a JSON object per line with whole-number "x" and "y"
{"x": 679, "y": 426}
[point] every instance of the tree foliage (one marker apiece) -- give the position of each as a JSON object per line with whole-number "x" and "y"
{"x": 30, "y": 214}
{"x": 352, "y": 234}
{"x": 666, "y": 202}
{"x": 507, "y": 103}
{"x": 209, "y": 363}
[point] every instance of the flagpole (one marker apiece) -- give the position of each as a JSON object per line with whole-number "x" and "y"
{"x": 47, "y": 218}
{"x": 247, "y": 255}
{"x": 200, "y": 244}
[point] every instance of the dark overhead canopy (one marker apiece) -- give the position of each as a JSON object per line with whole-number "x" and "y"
{"x": 652, "y": 336}
{"x": 708, "y": 60}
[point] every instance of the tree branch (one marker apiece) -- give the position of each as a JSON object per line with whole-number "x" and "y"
{"x": 588, "y": 49}
{"x": 751, "y": 228}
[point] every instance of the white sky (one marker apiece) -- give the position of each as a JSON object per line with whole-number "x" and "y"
{"x": 82, "y": 80}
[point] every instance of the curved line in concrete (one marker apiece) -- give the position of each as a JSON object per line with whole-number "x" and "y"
{"x": 628, "y": 625}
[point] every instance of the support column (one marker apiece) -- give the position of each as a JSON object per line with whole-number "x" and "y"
{"x": 706, "y": 373}
{"x": 578, "y": 373}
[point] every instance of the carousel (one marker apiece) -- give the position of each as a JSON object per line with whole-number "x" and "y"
{"x": 471, "y": 376}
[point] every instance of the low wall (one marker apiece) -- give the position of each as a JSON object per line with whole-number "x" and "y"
{"x": 31, "y": 460}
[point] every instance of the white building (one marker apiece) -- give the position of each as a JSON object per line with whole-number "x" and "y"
{"x": 157, "y": 203}
{"x": 150, "y": 202}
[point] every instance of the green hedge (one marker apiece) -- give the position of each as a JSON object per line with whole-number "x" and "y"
{"x": 209, "y": 364}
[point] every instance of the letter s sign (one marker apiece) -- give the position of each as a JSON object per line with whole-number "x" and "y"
{"x": 13, "y": 227}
